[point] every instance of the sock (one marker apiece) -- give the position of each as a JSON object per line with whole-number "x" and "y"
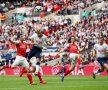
{"x": 23, "y": 71}
{"x": 39, "y": 76}
{"x": 37, "y": 67}
{"x": 29, "y": 76}
{"x": 98, "y": 71}
{"x": 107, "y": 71}
{"x": 67, "y": 72}
{"x": 62, "y": 69}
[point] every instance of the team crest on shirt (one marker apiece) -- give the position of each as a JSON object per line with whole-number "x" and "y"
{"x": 23, "y": 46}
{"x": 73, "y": 47}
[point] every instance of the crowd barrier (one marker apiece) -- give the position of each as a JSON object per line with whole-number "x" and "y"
{"x": 50, "y": 51}
{"x": 52, "y": 70}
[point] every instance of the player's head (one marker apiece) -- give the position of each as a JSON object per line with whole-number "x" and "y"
{"x": 39, "y": 33}
{"x": 21, "y": 37}
{"x": 73, "y": 39}
{"x": 101, "y": 39}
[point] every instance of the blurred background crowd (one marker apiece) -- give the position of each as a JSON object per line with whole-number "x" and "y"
{"x": 57, "y": 31}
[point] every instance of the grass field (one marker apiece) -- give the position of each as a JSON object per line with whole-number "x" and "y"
{"x": 54, "y": 83}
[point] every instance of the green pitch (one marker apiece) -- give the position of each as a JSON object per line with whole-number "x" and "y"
{"x": 54, "y": 83}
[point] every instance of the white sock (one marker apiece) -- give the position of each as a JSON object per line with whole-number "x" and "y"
{"x": 95, "y": 72}
{"x": 37, "y": 68}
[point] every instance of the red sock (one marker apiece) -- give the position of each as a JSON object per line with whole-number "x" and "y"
{"x": 67, "y": 72}
{"x": 22, "y": 72}
{"x": 29, "y": 76}
{"x": 39, "y": 76}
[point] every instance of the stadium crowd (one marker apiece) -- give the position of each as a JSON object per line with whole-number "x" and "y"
{"x": 58, "y": 31}
{"x": 8, "y": 4}
{"x": 47, "y": 6}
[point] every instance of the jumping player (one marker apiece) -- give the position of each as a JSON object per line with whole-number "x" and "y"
{"x": 36, "y": 51}
{"x": 73, "y": 54}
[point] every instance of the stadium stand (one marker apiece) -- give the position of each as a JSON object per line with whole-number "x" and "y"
{"x": 59, "y": 30}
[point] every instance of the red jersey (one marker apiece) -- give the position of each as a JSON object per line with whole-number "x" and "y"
{"x": 73, "y": 48}
{"x": 106, "y": 41}
{"x": 46, "y": 32}
{"x": 21, "y": 49}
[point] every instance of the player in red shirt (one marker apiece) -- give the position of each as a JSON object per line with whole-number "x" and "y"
{"x": 73, "y": 54}
{"x": 20, "y": 57}
{"x": 36, "y": 53}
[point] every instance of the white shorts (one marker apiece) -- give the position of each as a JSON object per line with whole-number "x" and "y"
{"x": 20, "y": 60}
{"x": 72, "y": 57}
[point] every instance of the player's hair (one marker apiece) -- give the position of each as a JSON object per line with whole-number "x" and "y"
{"x": 73, "y": 36}
{"x": 69, "y": 40}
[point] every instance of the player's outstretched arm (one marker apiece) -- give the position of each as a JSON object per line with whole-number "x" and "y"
{"x": 13, "y": 41}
